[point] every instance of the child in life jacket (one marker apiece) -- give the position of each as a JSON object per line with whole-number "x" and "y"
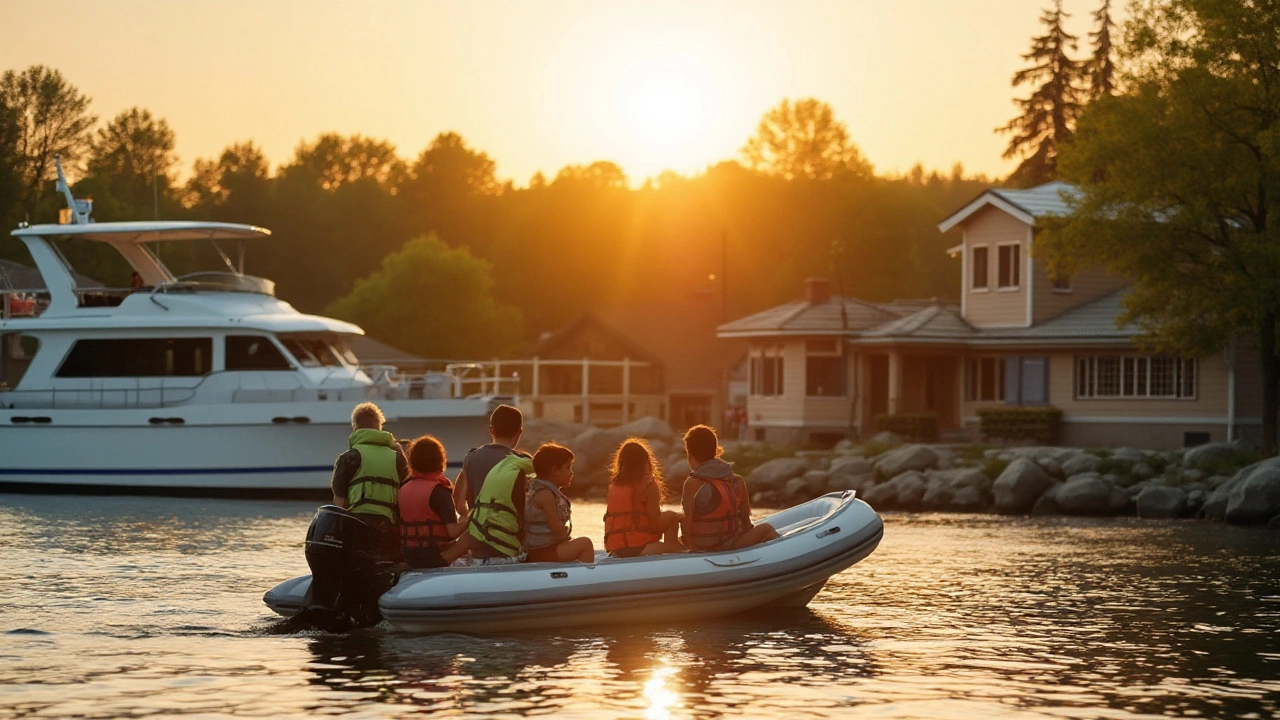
{"x": 428, "y": 521}
{"x": 548, "y": 525}
{"x": 634, "y": 521}
{"x": 717, "y": 511}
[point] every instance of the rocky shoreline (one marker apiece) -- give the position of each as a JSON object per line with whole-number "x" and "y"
{"x": 1218, "y": 481}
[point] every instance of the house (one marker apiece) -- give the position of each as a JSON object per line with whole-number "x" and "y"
{"x": 825, "y": 367}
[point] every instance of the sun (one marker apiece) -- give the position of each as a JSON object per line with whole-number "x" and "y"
{"x": 662, "y": 118}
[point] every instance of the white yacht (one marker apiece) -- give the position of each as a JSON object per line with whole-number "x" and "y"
{"x": 204, "y": 384}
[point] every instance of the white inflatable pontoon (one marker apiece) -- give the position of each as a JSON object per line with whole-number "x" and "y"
{"x": 817, "y": 540}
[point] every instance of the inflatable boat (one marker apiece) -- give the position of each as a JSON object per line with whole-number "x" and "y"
{"x": 816, "y": 540}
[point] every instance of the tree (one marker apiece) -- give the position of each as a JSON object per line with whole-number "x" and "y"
{"x": 599, "y": 174}
{"x": 449, "y": 165}
{"x": 1101, "y": 67}
{"x": 10, "y": 177}
{"x": 1180, "y": 181}
{"x": 130, "y": 164}
{"x": 435, "y": 301}
{"x": 333, "y": 161}
{"x": 803, "y": 141}
{"x": 242, "y": 167}
{"x": 53, "y": 119}
{"x": 1047, "y": 118}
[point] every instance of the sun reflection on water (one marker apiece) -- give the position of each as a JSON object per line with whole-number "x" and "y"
{"x": 660, "y": 698}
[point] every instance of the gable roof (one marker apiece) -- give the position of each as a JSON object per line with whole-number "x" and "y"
{"x": 936, "y": 321}
{"x": 803, "y": 318}
{"x": 372, "y": 352}
{"x": 1026, "y": 205}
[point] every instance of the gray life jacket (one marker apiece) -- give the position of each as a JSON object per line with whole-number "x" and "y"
{"x": 538, "y": 532}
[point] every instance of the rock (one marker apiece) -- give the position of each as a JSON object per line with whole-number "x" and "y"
{"x": 1019, "y": 485}
{"x": 857, "y": 483}
{"x": 773, "y": 475}
{"x": 1161, "y": 502}
{"x": 1120, "y": 502}
{"x": 1047, "y": 503}
{"x": 969, "y": 499}
{"x": 1206, "y": 456}
{"x": 1141, "y": 471}
{"x": 903, "y": 492}
{"x": 1051, "y": 466}
{"x": 765, "y": 498}
{"x": 1274, "y": 524}
{"x": 843, "y": 446}
{"x": 1215, "y": 506}
{"x": 817, "y": 482}
{"x": 1190, "y": 475}
{"x": 1086, "y": 495}
{"x": 1129, "y": 455}
{"x": 797, "y": 491}
{"x": 900, "y": 460}
{"x": 962, "y": 490}
{"x": 1256, "y": 498}
{"x": 648, "y": 427}
{"x": 850, "y": 465}
{"x": 885, "y": 438}
{"x": 1195, "y": 501}
{"x": 1082, "y": 463}
{"x": 1216, "y": 481}
{"x": 676, "y": 472}
{"x": 595, "y": 447}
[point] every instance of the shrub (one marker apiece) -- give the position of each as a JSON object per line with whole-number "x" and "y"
{"x": 1229, "y": 466}
{"x": 974, "y": 452}
{"x": 993, "y": 467}
{"x": 922, "y": 427}
{"x": 873, "y": 449}
{"x": 748, "y": 457}
{"x": 1039, "y": 424}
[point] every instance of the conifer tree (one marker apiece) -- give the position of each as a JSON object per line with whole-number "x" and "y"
{"x": 1101, "y": 68}
{"x": 1047, "y": 118}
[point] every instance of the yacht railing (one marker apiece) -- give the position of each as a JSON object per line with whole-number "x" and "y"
{"x": 20, "y": 303}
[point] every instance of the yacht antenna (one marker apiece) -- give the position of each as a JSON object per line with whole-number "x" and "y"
{"x": 77, "y": 211}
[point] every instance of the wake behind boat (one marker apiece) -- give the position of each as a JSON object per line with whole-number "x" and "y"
{"x": 817, "y": 540}
{"x": 202, "y": 384}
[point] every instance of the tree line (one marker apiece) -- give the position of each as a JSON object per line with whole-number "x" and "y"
{"x": 397, "y": 244}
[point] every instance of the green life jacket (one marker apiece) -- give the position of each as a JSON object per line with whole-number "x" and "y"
{"x": 494, "y": 521}
{"x": 376, "y": 484}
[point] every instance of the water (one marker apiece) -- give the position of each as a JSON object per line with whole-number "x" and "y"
{"x": 123, "y": 607}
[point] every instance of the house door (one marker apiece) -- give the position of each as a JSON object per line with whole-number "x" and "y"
{"x": 877, "y": 388}
{"x": 942, "y": 396}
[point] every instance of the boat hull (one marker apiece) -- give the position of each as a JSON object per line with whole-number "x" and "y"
{"x": 820, "y": 539}
{"x": 275, "y": 450}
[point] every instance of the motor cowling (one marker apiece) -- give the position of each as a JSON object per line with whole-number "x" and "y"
{"x": 350, "y": 569}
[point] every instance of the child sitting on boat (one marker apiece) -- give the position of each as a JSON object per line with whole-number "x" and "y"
{"x": 634, "y": 521}
{"x": 428, "y": 520}
{"x": 717, "y": 511}
{"x": 548, "y": 522}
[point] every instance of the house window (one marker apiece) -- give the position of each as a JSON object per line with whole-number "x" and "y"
{"x": 984, "y": 379}
{"x": 766, "y": 372}
{"x": 1061, "y": 282}
{"x": 138, "y": 357}
{"x": 980, "y": 268}
{"x": 1010, "y": 266}
{"x": 1135, "y": 376}
{"x": 824, "y": 369}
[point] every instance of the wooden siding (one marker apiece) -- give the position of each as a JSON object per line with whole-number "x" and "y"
{"x": 1086, "y": 287}
{"x": 794, "y": 408}
{"x": 1210, "y": 400}
{"x": 994, "y": 307}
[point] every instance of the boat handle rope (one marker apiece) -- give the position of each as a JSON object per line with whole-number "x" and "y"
{"x": 732, "y": 562}
{"x": 829, "y": 531}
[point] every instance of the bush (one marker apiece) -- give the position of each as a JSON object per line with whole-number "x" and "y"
{"x": 1038, "y": 424}
{"x": 922, "y": 427}
{"x": 748, "y": 457}
{"x": 974, "y": 452}
{"x": 994, "y": 467}
{"x": 873, "y": 449}
{"x": 1229, "y": 466}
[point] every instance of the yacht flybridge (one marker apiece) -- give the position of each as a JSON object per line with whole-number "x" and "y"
{"x": 200, "y": 384}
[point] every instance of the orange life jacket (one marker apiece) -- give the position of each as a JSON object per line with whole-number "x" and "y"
{"x": 420, "y": 526}
{"x": 626, "y": 519}
{"x": 717, "y": 529}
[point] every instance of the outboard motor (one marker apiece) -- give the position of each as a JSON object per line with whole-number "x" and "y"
{"x": 350, "y": 569}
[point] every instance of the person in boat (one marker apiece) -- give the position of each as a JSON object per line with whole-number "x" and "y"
{"x": 548, "y": 513}
{"x": 366, "y": 478}
{"x": 428, "y": 520}
{"x": 634, "y": 521}
{"x": 505, "y": 427}
{"x": 495, "y": 534}
{"x": 717, "y": 511}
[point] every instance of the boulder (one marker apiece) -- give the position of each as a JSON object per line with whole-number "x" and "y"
{"x": 844, "y": 446}
{"x": 903, "y": 492}
{"x": 797, "y": 491}
{"x": 766, "y": 498}
{"x": 648, "y": 427}
{"x": 1141, "y": 471}
{"x": 774, "y": 474}
{"x": 969, "y": 499}
{"x": 1208, "y": 455}
{"x": 850, "y": 465}
{"x": 885, "y": 438}
{"x": 1190, "y": 475}
{"x": 675, "y": 473}
{"x": 1051, "y": 466}
{"x": 1215, "y": 506}
{"x": 817, "y": 482}
{"x": 903, "y": 459}
{"x": 1082, "y": 463}
{"x": 963, "y": 490}
{"x": 1086, "y": 495}
{"x": 1216, "y": 481}
{"x": 1019, "y": 485}
{"x": 1161, "y": 502}
{"x": 1047, "y": 503}
{"x": 1129, "y": 455}
{"x": 1195, "y": 501}
{"x": 1120, "y": 502}
{"x": 595, "y": 447}
{"x": 858, "y": 483}
{"x": 1256, "y": 498}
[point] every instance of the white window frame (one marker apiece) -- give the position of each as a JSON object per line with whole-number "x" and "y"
{"x": 975, "y": 371}
{"x": 986, "y": 267}
{"x": 755, "y": 367}
{"x": 1133, "y": 380}
{"x": 1015, "y": 267}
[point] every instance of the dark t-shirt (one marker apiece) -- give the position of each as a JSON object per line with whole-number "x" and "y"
{"x": 345, "y": 467}
{"x": 476, "y": 467}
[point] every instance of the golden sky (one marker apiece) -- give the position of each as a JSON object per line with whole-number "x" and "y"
{"x": 539, "y": 84}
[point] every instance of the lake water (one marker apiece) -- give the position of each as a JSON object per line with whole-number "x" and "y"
{"x": 127, "y": 607}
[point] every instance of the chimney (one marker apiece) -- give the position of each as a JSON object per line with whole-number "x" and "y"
{"x": 817, "y": 290}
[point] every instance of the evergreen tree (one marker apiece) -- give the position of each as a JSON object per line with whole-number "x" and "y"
{"x": 1101, "y": 68}
{"x": 1048, "y": 116}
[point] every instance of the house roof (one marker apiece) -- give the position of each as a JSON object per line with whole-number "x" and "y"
{"x": 1092, "y": 321}
{"x": 1026, "y": 205}
{"x": 372, "y": 352}
{"x": 804, "y": 318}
{"x": 936, "y": 321}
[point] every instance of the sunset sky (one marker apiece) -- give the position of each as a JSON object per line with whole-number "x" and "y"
{"x": 539, "y": 84}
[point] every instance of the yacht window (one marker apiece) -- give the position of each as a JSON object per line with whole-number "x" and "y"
{"x": 254, "y": 352}
{"x": 16, "y": 352}
{"x": 138, "y": 357}
{"x": 312, "y": 352}
{"x": 343, "y": 348}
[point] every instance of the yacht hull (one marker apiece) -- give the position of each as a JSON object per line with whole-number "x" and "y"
{"x": 274, "y": 450}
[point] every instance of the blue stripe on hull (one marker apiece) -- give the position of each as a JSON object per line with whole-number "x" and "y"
{"x": 175, "y": 471}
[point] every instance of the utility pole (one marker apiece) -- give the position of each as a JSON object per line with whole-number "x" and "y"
{"x": 724, "y": 275}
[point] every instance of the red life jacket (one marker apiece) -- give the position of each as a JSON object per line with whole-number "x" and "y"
{"x": 420, "y": 526}
{"x": 717, "y": 529}
{"x": 626, "y": 519}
